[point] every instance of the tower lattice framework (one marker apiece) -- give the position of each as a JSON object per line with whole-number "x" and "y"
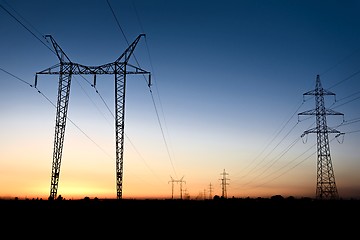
{"x": 65, "y": 69}
{"x": 223, "y": 184}
{"x": 325, "y": 183}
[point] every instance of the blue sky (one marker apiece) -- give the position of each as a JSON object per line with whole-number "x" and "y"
{"x": 228, "y": 82}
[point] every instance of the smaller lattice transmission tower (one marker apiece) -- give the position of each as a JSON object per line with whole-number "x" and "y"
{"x": 223, "y": 184}
{"x": 210, "y": 191}
{"x": 181, "y": 181}
{"x": 325, "y": 183}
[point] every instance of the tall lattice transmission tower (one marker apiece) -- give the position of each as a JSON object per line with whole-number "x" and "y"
{"x": 325, "y": 183}
{"x": 120, "y": 68}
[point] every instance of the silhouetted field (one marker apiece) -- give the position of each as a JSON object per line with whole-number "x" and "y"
{"x": 174, "y": 207}
{"x": 215, "y": 217}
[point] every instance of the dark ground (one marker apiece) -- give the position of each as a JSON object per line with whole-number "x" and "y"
{"x": 90, "y": 218}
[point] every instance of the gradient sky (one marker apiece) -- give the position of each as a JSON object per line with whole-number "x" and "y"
{"x": 228, "y": 83}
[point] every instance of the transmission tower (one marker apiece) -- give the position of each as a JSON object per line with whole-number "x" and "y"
{"x": 325, "y": 184}
{"x": 65, "y": 69}
{"x": 181, "y": 181}
{"x": 210, "y": 191}
{"x": 223, "y": 184}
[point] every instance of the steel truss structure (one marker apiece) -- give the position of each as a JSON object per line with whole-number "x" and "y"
{"x": 325, "y": 185}
{"x": 65, "y": 69}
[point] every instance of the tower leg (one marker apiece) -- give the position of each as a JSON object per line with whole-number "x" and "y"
{"x": 61, "y": 115}
{"x": 120, "y": 80}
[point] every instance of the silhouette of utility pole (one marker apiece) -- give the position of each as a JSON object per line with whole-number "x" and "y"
{"x": 326, "y": 186}
{"x": 223, "y": 184}
{"x": 172, "y": 186}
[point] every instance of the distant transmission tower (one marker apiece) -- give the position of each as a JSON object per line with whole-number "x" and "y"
{"x": 181, "y": 181}
{"x": 223, "y": 184}
{"x": 210, "y": 191}
{"x": 325, "y": 185}
{"x": 65, "y": 69}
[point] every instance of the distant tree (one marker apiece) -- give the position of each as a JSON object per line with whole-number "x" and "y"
{"x": 277, "y": 197}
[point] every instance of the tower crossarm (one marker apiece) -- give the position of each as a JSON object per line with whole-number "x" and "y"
{"x": 68, "y": 68}
{"x": 315, "y": 112}
{"x": 78, "y": 69}
{"x": 319, "y": 92}
{"x": 59, "y": 52}
{"x": 327, "y": 130}
{"x": 332, "y": 112}
{"x": 118, "y": 68}
{"x": 131, "y": 69}
{"x": 125, "y": 56}
{"x": 308, "y": 112}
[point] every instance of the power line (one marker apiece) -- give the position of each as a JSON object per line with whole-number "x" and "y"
{"x": 117, "y": 22}
{"x": 158, "y": 93}
{"x": 345, "y": 79}
{"x": 48, "y": 99}
{"x": 346, "y": 102}
{"x": 256, "y": 166}
{"x": 276, "y": 159}
{"x": 26, "y": 28}
{"x": 282, "y": 127}
{"x": 339, "y": 62}
{"x": 23, "y": 81}
{"x": 149, "y": 85}
{"x": 23, "y": 18}
{"x": 296, "y": 165}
